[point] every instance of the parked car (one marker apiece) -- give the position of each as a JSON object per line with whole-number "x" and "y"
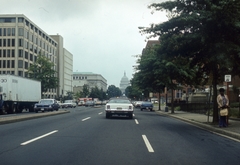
{"x": 69, "y": 103}
{"x": 146, "y": 105}
{"x": 89, "y": 103}
{"x": 81, "y": 103}
{"x": 46, "y": 105}
{"x": 138, "y": 104}
{"x": 60, "y": 104}
{"x": 119, "y": 106}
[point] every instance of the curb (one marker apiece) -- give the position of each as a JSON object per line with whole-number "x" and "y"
{"x": 205, "y": 126}
{"x": 13, "y": 119}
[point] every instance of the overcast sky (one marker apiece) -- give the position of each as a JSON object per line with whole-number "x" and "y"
{"x": 102, "y": 35}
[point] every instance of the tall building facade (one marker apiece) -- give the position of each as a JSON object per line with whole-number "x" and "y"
{"x": 88, "y": 78}
{"x": 64, "y": 67}
{"x": 124, "y": 83}
{"x": 21, "y": 41}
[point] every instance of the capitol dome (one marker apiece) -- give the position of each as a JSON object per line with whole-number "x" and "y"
{"x": 124, "y": 83}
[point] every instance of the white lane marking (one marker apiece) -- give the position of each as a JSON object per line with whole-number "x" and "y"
{"x": 100, "y": 113}
{"x": 86, "y": 118}
{"x": 149, "y": 147}
{"x": 133, "y": 114}
{"x": 136, "y": 121}
{"x": 37, "y": 138}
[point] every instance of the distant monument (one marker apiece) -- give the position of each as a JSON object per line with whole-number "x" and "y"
{"x": 124, "y": 83}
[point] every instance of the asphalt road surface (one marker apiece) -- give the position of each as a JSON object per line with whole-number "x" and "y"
{"x": 85, "y": 137}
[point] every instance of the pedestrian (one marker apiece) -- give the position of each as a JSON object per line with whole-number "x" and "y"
{"x": 223, "y": 103}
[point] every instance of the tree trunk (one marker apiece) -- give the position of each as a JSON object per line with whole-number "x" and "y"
{"x": 159, "y": 101}
{"x": 172, "y": 103}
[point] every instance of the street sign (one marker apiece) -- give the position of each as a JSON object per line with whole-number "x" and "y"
{"x": 228, "y": 78}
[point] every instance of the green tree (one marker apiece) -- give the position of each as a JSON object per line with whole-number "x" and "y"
{"x": 204, "y": 32}
{"x": 113, "y": 91}
{"x": 43, "y": 70}
{"x": 85, "y": 91}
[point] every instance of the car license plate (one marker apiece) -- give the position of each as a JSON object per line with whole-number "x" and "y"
{"x": 42, "y": 109}
{"x": 118, "y": 108}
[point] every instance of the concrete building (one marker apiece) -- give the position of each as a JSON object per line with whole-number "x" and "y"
{"x": 124, "y": 83}
{"x": 90, "y": 79}
{"x": 64, "y": 67}
{"x": 21, "y": 41}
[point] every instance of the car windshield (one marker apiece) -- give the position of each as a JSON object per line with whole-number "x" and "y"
{"x": 119, "y": 101}
{"x": 46, "y": 101}
{"x": 146, "y": 102}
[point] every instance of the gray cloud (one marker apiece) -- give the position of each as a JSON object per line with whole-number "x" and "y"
{"x": 102, "y": 35}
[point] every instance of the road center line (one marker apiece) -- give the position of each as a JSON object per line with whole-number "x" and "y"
{"x": 37, "y": 138}
{"x": 86, "y": 118}
{"x": 136, "y": 121}
{"x": 149, "y": 147}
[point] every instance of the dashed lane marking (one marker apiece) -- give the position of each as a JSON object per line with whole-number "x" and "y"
{"x": 86, "y": 119}
{"x": 147, "y": 143}
{"x": 37, "y": 138}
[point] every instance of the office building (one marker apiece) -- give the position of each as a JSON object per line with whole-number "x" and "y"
{"x": 88, "y": 78}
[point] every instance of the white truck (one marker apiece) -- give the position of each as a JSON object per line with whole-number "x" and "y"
{"x": 18, "y": 93}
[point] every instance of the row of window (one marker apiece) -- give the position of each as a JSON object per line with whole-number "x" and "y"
{"x": 79, "y": 77}
{"x": 7, "y": 42}
{"x": 7, "y": 63}
{"x": 6, "y": 31}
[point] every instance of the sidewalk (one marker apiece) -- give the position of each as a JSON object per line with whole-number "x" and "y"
{"x": 201, "y": 120}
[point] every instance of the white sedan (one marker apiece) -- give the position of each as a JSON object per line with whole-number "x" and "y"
{"x": 119, "y": 106}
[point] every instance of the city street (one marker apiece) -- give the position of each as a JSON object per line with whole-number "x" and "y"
{"x": 85, "y": 136}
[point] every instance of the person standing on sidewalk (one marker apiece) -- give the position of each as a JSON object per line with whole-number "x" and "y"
{"x": 223, "y": 102}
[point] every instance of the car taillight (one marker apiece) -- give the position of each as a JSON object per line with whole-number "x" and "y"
{"x": 108, "y": 106}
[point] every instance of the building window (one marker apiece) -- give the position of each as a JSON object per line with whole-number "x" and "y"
{"x": 20, "y": 32}
{"x": 26, "y": 44}
{"x": 4, "y": 32}
{"x": 20, "y": 73}
{"x": 13, "y": 63}
{"x": 20, "y": 63}
{"x": 13, "y": 53}
{"x": 0, "y": 42}
{"x": 8, "y": 63}
{"x": 0, "y": 31}
{"x": 20, "y": 53}
{"x": 13, "y": 31}
{"x": 4, "y": 63}
{"x": 4, "y": 53}
{"x": 20, "y": 19}
{"x": 4, "y": 42}
{"x": 26, "y": 65}
{"x": 9, "y": 42}
{"x": 0, "y": 52}
{"x": 31, "y": 57}
{"x": 13, "y": 42}
{"x": 26, "y": 55}
{"x": 0, "y": 63}
{"x": 20, "y": 42}
{"x": 9, "y": 31}
{"x": 8, "y": 53}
